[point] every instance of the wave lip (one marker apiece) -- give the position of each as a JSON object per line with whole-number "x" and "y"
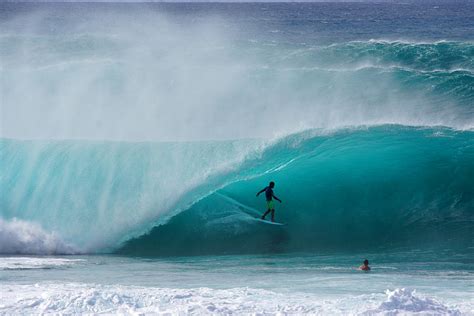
{"x": 26, "y": 238}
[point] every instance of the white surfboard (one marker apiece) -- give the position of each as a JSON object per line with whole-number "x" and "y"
{"x": 269, "y": 222}
{"x": 251, "y": 212}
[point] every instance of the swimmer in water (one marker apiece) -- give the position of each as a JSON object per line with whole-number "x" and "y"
{"x": 365, "y": 266}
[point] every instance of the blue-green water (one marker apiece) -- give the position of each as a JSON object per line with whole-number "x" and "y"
{"x": 324, "y": 283}
{"x": 135, "y": 136}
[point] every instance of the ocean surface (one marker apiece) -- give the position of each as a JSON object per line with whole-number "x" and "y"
{"x": 134, "y": 137}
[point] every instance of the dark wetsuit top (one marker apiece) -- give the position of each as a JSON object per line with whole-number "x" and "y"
{"x": 268, "y": 193}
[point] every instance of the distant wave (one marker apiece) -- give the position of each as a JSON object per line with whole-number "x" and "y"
{"x": 413, "y": 42}
{"x": 92, "y": 83}
{"x": 384, "y": 68}
{"x": 423, "y": 56}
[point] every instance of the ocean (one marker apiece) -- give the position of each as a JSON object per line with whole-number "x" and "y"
{"x": 135, "y": 136}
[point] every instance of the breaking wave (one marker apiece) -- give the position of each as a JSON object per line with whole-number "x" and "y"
{"x": 357, "y": 187}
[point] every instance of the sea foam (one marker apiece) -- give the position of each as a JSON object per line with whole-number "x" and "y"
{"x": 86, "y": 298}
{"x": 22, "y": 237}
{"x": 29, "y": 263}
{"x": 405, "y": 301}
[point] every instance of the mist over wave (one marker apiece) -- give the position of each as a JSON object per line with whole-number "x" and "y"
{"x": 102, "y": 73}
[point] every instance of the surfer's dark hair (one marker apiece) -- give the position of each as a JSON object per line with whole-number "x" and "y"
{"x": 272, "y": 184}
{"x": 366, "y": 262}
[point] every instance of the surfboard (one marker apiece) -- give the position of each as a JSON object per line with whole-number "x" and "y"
{"x": 269, "y": 222}
{"x": 251, "y": 212}
{"x": 244, "y": 208}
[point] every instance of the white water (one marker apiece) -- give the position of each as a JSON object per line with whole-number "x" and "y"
{"x": 76, "y": 298}
{"x": 324, "y": 284}
{"x": 22, "y": 237}
{"x": 27, "y": 263}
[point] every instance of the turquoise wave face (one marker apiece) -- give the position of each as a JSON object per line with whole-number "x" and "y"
{"x": 95, "y": 194}
{"x": 350, "y": 188}
{"x": 378, "y": 187}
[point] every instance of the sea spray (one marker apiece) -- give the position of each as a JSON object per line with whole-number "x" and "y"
{"x": 95, "y": 78}
{"x": 21, "y": 237}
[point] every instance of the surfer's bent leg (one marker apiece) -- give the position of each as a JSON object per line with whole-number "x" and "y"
{"x": 270, "y": 207}
{"x": 273, "y": 215}
{"x": 263, "y": 216}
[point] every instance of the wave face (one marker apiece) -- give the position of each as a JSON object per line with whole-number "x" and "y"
{"x": 349, "y": 188}
{"x": 382, "y": 186}
{"x": 94, "y": 194}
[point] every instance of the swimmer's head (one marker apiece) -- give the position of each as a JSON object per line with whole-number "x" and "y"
{"x": 366, "y": 262}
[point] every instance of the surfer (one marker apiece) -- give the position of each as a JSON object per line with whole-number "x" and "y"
{"x": 365, "y": 266}
{"x": 269, "y": 195}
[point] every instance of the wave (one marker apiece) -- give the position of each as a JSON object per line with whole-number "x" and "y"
{"x": 424, "y": 56}
{"x": 93, "y": 194}
{"x": 386, "y": 68}
{"x": 375, "y": 187}
{"x": 355, "y": 187}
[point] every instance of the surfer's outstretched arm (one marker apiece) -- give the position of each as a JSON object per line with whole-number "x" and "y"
{"x": 262, "y": 190}
{"x": 276, "y": 198}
